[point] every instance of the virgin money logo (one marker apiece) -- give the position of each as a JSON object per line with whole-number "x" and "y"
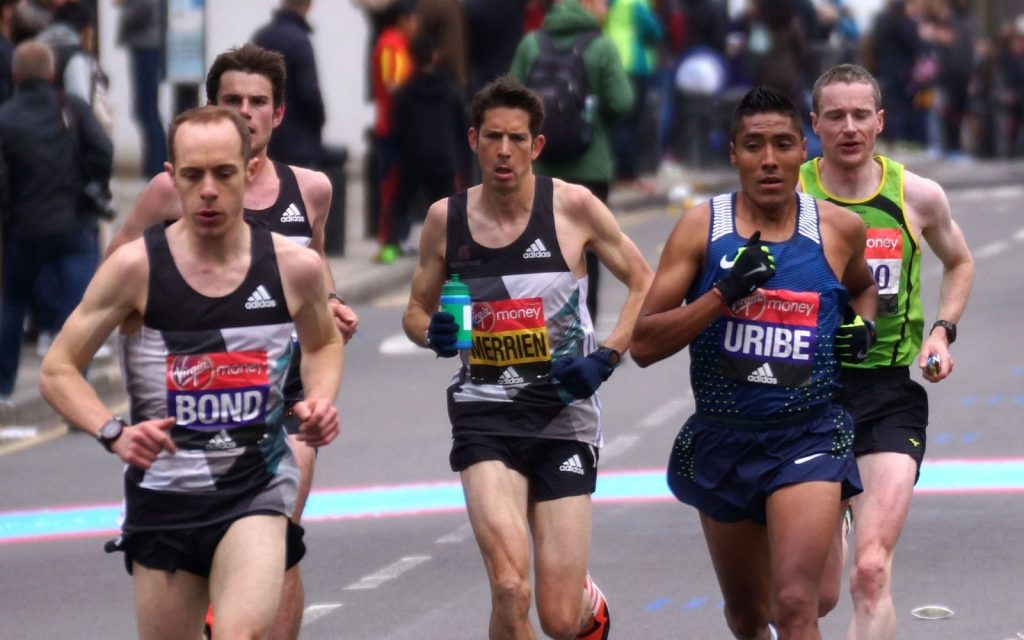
{"x": 751, "y": 307}
{"x": 483, "y": 317}
{"x": 191, "y": 373}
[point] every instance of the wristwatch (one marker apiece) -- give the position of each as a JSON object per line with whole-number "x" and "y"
{"x": 950, "y": 328}
{"x": 110, "y": 432}
{"x": 614, "y": 357}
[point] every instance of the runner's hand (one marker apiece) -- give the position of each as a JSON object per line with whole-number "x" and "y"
{"x": 753, "y": 265}
{"x": 854, "y": 337}
{"x": 582, "y": 375}
{"x": 139, "y": 444}
{"x": 319, "y": 421}
{"x": 441, "y": 334}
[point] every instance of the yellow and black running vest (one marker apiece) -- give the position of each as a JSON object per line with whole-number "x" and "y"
{"x": 894, "y": 255}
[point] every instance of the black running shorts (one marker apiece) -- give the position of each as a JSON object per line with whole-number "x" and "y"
{"x": 192, "y": 550}
{"x": 889, "y": 411}
{"x": 554, "y": 468}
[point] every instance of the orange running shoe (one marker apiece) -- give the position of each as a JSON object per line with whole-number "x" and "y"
{"x": 208, "y": 627}
{"x": 599, "y": 606}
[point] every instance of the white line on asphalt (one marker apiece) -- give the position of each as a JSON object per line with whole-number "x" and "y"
{"x": 400, "y": 345}
{"x": 992, "y": 249}
{"x": 996, "y": 193}
{"x": 389, "y": 572}
{"x": 1019, "y": 235}
{"x": 666, "y": 412}
{"x": 316, "y": 611}
{"x": 618, "y": 446}
{"x": 457, "y": 536}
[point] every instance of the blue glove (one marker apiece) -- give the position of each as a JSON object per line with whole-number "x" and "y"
{"x": 752, "y": 266}
{"x": 441, "y": 334}
{"x": 854, "y": 337}
{"x": 582, "y": 375}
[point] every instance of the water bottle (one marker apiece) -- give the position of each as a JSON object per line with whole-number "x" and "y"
{"x": 455, "y": 300}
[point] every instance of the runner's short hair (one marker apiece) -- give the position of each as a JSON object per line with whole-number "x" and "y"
{"x": 507, "y": 91}
{"x": 248, "y": 59}
{"x": 846, "y": 74}
{"x": 764, "y": 99}
{"x": 210, "y": 114}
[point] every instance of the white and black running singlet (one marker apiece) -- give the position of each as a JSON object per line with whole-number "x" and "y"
{"x": 528, "y": 311}
{"x": 287, "y": 215}
{"x": 216, "y": 365}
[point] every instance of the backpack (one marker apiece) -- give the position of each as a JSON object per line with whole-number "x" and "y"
{"x": 560, "y": 78}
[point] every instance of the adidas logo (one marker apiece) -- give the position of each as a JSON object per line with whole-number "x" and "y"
{"x": 573, "y": 465}
{"x": 221, "y": 441}
{"x": 763, "y": 375}
{"x": 510, "y": 376}
{"x": 260, "y": 299}
{"x": 537, "y": 250}
{"x": 292, "y": 214}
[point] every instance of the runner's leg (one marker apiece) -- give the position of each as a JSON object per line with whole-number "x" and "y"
{"x": 561, "y": 542}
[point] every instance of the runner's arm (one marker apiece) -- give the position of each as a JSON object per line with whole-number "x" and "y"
{"x": 425, "y": 290}
{"x": 667, "y": 325}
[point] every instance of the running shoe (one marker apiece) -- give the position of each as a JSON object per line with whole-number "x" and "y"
{"x": 599, "y": 606}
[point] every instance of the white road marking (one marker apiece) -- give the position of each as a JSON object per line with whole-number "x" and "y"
{"x": 666, "y": 413}
{"x": 18, "y": 433}
{"x": 1007, "y": 192}
{"x": 400, "y": 345}
{"x": 991, "y": 249}
{"x": 316, "y": 611}
{"x": 459, "y": 535}
{"x": 389, "y": 572}
{"x": 618, "y": 446}
{"x": 1019, "y": 235}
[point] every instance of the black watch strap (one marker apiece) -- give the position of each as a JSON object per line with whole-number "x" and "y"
{"x": 950, "y": 328}
{"x": 614, "y": 357}
{"x": 110, "y": 432}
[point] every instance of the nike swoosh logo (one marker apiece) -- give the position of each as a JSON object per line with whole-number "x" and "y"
{"x": 862, "y": 354}
{"x": 726, "y": 263}
{"x": 759, "y": 269}
{"x": 808, "y": 458}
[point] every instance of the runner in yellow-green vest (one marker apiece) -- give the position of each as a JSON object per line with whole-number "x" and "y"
{"x": 890, "y": 410}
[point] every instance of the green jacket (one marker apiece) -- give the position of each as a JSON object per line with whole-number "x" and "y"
{"x": 608, "y": 83}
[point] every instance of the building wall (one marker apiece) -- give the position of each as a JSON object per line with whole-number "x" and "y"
{"x": 339, "y": 38}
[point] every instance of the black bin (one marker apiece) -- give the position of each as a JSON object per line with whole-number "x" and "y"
{"x": 332, "y": 163}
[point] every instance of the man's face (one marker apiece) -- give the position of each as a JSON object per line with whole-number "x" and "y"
{"x": 504, "y": 148}
{"x": 210, "y": 175}
{"x": 252, "y": 96}
{"x": 848, "y": 123}
{"x": 767, "y": 152}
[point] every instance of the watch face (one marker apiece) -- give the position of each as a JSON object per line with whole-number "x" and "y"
{"x": 111, "y": 429}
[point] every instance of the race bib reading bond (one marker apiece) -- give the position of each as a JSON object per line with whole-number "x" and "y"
{"x": 218, "y": 391}
{"x": 884, "y": 253}
{"x": 770, "y": 337}
{"x": 510, "y": 342}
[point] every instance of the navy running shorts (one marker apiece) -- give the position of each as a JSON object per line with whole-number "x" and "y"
{"x": 889, "y": 411}
{"x": 192, "y": 549}
{"x": 554, "y": 468}
{"x": 728, "y": 472}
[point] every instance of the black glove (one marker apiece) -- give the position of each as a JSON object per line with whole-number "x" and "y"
{"x": 441, "y": 334}
{"x": 854, "y": 337}
{"x": 582, "y": 375}
{"x": 753, "y": 265}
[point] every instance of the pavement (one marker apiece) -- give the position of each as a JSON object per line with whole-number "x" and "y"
{"x": 26, "y": 419}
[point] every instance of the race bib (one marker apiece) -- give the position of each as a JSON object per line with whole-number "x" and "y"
{"x": 884, "y": 253}
{"x": 215, "y": 391}
{"x": 510, "y": 342}
{"x": 769, "y": 338}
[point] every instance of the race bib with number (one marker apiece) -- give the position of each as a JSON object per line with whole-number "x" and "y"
{"x": 769, "y": 338}
{"x": 510, "y": 342}
{"x": 884, "y": 253}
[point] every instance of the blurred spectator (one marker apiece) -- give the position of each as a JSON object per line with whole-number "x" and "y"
{"x": 428, "y": 122}
{"x": 981, "y": 120}
{"x": 6, "y": 48}
{"x": 636, "y": 31}
{"x": 612, "y": 94}
{"x": 51, "y": 149}
{"x": 534, "y": 14}
{"x": 392, "y": 65}
{"x": 953, "y": 35}
{"x": 443, "y": 22}
{"x": 776, "y": 47}
{"x": 140, "y": 30}
{"x": 297, "y": 140}
{"x": 1010, "y": 87}
{"x": 72, "y": 38}
{"x": 377, "y": 14}
{"x": 31, "y": 17}
{"x": 898, "y": 62}
{"x": 494, "y": 29}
